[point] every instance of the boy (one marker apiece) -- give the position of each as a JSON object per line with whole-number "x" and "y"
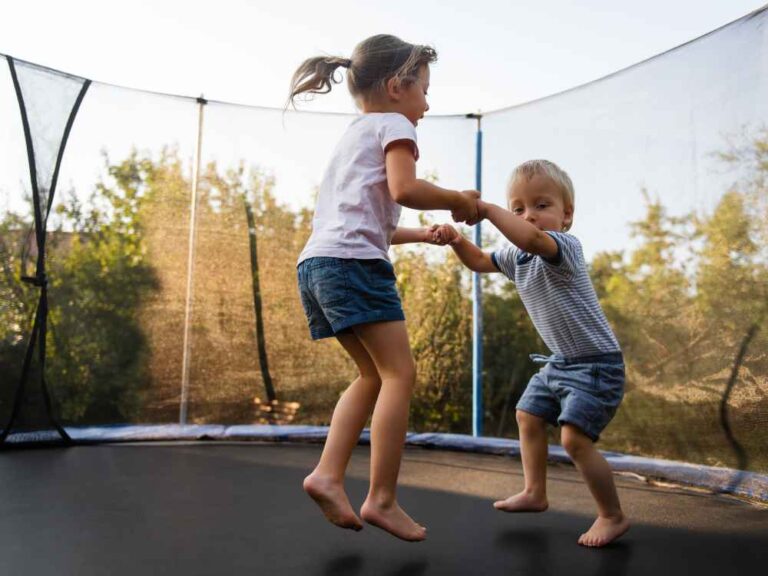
{"x": 581, "y": 385}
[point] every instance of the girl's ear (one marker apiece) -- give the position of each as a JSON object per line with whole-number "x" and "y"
{"x": 394, "y": 89}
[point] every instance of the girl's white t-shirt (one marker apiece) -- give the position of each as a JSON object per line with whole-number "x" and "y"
{"x": 355, "y": 215}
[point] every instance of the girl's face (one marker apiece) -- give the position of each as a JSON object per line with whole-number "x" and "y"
{"x": 540, "y": 202}
{"x": 411, "y": 100}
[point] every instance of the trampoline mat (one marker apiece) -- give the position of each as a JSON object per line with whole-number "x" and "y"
{"x": 238, "y": 508}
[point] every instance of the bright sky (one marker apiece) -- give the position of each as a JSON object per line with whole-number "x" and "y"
{"x": 492, "y": 53}
{"x": 654, "y": 128}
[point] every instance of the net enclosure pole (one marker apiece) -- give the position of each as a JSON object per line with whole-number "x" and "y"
{"x": 186, "y": 359}
{"x": 477, "y": 299}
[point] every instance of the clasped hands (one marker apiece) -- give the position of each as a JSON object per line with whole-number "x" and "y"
{"x": 471, "y": 211}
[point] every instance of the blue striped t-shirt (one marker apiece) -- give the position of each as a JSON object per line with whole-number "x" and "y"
{"x": 559, "y": 297}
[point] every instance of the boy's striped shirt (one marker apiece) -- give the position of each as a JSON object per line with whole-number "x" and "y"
{"x": 559, "y": 297}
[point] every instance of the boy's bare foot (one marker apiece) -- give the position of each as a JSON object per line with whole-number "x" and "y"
{"x": 332, "y": 499}
{"x": 394, "y": 520}
{"x": 523, "y": 502}
{"x": 604, "y": 531}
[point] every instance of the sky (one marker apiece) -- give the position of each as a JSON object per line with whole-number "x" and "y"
{"x": 654, "y": 128}
{"x": 491, "y": 53}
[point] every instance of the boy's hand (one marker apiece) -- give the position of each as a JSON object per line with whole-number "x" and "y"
{"x": 482, "y": 210}
{"x": 467, "y": 211}
{"x": 447, "y": 234}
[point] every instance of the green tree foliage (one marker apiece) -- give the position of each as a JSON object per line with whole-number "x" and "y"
{"x": 99, "y": 277}
{"x": 439, "y": 319}
{"x": 646, "y": 296}
{"x": 226, "y": 370}
{"x": 681, "y": 300}
{"x": 508, "y": 339}
{"x": 685, "y": 303}
{"x": 747, "y": 202}
{"x": 730, "y": 280}
{"x": 17, "y": 303}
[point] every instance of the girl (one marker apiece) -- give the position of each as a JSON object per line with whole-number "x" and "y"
{"x": 346, "y": 281}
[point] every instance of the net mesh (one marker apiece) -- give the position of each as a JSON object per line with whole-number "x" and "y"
{"x": 669, "y": 161}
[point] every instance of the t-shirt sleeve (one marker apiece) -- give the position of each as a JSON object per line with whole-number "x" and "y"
{"x": 505, "y": 259}
{"x": 569, "y": 257}
{"x": 396, "y": 127}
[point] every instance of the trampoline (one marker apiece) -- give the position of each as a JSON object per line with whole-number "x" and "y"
{"x": 151, "y": 326}
{"x": 195, "y": 508}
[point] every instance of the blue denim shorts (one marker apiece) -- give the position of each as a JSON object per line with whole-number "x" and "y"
{"x": 338, "y": 293}
{"x": 583, "y": 391}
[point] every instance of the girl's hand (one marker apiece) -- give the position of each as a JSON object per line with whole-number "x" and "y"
{"x": 467, "y": 210}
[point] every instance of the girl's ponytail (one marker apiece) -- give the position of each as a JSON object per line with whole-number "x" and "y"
{"x": 316, "y": 76}
{"x": 374, "y": 61}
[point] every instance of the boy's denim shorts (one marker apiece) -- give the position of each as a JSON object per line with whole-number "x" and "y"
{"x": 338, "y": 293}
{"x": 583, "y": 391}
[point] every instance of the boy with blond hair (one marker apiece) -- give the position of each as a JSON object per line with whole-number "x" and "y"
{"x": 581, "y": 384}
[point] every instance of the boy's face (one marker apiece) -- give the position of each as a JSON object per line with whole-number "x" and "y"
{"x": 540, "y": 202}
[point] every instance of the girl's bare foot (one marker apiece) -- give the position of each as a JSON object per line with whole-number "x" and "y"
{"x": 332, "y": 499}
{"x": 394, "y": 520}
{"x": 605, "y": 530}
{"x": 523, "y": 502}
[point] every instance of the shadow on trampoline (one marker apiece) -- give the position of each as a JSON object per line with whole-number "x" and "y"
{"x": 542, "y": 550}
{"x": 354, "y": 564}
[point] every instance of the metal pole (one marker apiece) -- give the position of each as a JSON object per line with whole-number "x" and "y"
{"x": 185, "y": 364}
{"x": 477, "y": 302}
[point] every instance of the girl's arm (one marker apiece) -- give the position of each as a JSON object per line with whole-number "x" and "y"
{"x": 521, "y": 233}
{"x": 411, "y": 192}
{"x": 469, "y": 254}
{"x": 412, "y": 235}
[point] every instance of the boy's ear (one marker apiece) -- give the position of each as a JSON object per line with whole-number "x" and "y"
{"x": 568, "y": 220}
{"x": 394, "y": 89}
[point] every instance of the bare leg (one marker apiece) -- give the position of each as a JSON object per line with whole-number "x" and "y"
{"x": 387, "y": 344}
{"x": 326, "y": 483}
{"x": 533, "y": 449}
{"x": 611, "y": 522}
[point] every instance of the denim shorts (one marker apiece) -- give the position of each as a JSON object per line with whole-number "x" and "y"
{"x": 583, "y": 391}
{"x": 338, "y": 293}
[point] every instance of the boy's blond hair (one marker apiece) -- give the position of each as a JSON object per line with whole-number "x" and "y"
{"x": 531, "y": 168}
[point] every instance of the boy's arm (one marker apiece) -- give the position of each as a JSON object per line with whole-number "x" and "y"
{"x": 411, "y": 192}
{"x": 469, "y": 254}
{"x": 522, "y": 234}
{"x": 472, "y": 257}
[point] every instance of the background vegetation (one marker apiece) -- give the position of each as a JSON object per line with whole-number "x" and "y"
{"x": 685, "y": 300}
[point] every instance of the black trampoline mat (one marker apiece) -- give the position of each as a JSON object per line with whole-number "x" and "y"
{"x": 238, "y": 508}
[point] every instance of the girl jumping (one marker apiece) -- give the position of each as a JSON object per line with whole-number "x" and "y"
{"x": 346, "y": 280}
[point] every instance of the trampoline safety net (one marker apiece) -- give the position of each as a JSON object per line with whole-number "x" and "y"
{"x": 148, "y": 246}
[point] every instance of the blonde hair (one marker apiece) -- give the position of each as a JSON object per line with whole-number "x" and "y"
{"x": 548, "y": 169}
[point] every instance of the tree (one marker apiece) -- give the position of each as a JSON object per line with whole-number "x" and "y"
{"x": 509, "y": 337}
{"x": 99, "y": 278}
{"x": 439, "y": 318}
{"x": 730, "y": 280}
{"x": 646, "y": 298}
{"x": 17, "y": 303}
